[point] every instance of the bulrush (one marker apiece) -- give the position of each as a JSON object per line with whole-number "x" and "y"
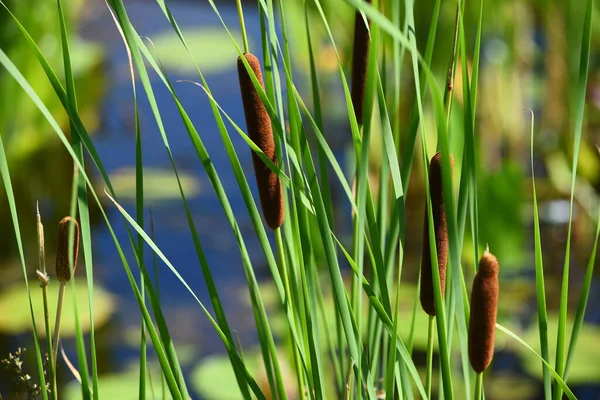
{"x": 63, "y": 272}
{"x": 260, "y": 131}
{"x": 441, "y": 236}
{"x": 484, "y": 304}
{"x": 360, "y": 55}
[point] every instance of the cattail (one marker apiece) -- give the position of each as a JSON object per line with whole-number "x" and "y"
{"x": 63, "y": 273}
{"x": 260, "y": 131}
{"x": 360, "y": 55}
{"x": 484, "y": 304}
{"x": 441, "y": 235}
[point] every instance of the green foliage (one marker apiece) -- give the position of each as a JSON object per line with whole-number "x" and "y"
{"x": 585, "y": 369}
{"x": 501, "y": 210}
{"x": 344, "y": 304}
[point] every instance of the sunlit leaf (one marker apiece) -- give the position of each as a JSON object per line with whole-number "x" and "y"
{"x": 18, "y": 319}
{"x": 159, "y": 184}
{"x": 211, "y": 48}
{"x": 585, "y": 367}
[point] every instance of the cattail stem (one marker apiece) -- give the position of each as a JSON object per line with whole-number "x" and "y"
{"x": 56, "y": 334}
{"x": 259, "y": 128}
{"x": 360, "y": 55}
{"x": 44, "y": 280}
{"x": 478, "y": 386}
{"x": 429, "y": 367}
{"x": 484, "y": 305}
{"x": 242, "y": 25}
{"x": 452, "y": 68}
{"x": 288, "y": 305}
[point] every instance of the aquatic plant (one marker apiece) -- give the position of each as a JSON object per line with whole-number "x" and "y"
{"x": 356, "y": 288}
{"x": 438, "y": 207}
{"x": 260, "y": 131}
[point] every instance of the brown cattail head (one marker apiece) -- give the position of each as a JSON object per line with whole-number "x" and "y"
{"x": 260, "y": 131}
{"x": 484, "y": 305}
{"x": 360, "y": 55}
{"x": 63, "y": 272}
{"x": 441, "y": 236}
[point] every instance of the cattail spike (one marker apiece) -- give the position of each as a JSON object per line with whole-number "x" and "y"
{"x": 63, "y": 272}
{"x": 484, "y": 305}
{"x": 360, "y": 55}
{"x": 260, "y": 131}
{"x": 441, "y": 236}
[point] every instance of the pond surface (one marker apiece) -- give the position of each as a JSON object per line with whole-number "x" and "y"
{"x": 116, "y": 146}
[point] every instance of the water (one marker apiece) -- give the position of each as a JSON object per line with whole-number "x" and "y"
{"x": 116, "y": 147}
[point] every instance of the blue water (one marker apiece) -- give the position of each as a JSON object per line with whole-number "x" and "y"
{"x": 115, "y": 144}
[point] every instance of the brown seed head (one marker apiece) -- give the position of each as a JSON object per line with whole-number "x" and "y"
{"x": 484, "y": 305}
{"x": 259, "y": 128}
{"x": 63, "y": 272}
{"x": 441, "y": 236}
{"x": 360, "y": 55}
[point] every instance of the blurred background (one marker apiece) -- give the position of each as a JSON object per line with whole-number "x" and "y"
{"x": 529, "y": 58}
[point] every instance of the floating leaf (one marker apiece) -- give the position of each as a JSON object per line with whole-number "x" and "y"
{"x": 214, "y": 378}
{"x": 159, "y": 184}
{"x": 18, "y": 319}
{"x": 211, "y": 47}
{"x": 504, "y": 386}
{"x": 584, "y": 368}
{"x": 123, "y": 385}
{"x": 85, "y": 56}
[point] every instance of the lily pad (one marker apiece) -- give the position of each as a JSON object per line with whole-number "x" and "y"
{"x": 211, "y": 48}
{"x": 123, "y": 385}
{"x": 214, "y": 378}
{"x": 504, "y": 386}
{"x": 159, "y": 184}
{"x": 18, "y": 319}
{"x": 584, "y": 367}
{"x": 85, "y": 56}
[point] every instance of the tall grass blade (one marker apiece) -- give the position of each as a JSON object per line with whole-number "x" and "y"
{"x": 82, "y": 203}
{"x": 583, "y": 300}
{"x": 579, "y": 113}
{"x": 558, "y": 380}
{"x": 4, "y": 172}
{"x": 5, "y": 61}
{"x": 539, "y": 278}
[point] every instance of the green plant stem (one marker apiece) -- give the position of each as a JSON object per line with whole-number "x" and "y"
{"x": 289, "y": 308}
{"x": 429, "y": 356}
{"x": 242, "y": 25}
{"x": 44, "y": 280}
{"x": 56, "y": 335}
{"x": 452, "y": 69}
{"x": 478, "y": 386}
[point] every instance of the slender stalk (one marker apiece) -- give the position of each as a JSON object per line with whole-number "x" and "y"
{"x": 579, "y": 115}
{"x": 286, "y": 284}
{"x": 44, "y": 280}
{"x": 478, "y": 386}
{"x": 242, "y": 25}
{"x": 56, "y": 334}
{"x": 452, "y": 68}
{"x": 429, "y": 356}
